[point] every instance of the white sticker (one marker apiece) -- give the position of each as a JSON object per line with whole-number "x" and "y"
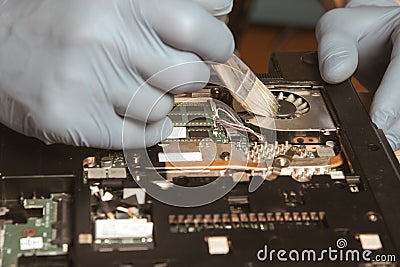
{"x": 337, "y": 175}
{"x": 178, "y": 133}
{"x": 31, "y": 243}
{"x": 325, "y": 151}
{"x": 117, "y": 173}
{"x": 370, "y": 241}
{"x": 96, "y": 173}
{"x": 180, "y": 157}
{"x": 218, "y": 245}
{"x": 123, "y": 228}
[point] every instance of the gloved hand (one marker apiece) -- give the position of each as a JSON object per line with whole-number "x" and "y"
{"x": 364, "y": 38}
{"x": 68, "y": 69}
{"x": 217, "y": 8}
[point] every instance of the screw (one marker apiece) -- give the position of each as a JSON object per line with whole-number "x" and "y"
{"x": 372, "y": 217}
{"x": 225, "y": 155}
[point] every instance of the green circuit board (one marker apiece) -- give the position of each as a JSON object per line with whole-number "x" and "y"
{"x": 33, "y": 238}
{"x": 198, "y": 122}
{"x": 192, "y": 115}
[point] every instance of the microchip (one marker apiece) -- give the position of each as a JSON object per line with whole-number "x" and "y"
{"x": 177, "y": 110}
{"x": 235, "y": 138}
{"x": 176, "y": 118}
{"x": 195, "y": 118}
{"x": 195, "y": 109}
{"x": 201, "y": 128}
{"x": 199, "y": 134}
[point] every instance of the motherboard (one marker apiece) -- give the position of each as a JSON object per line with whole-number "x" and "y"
{"x": 222, "y": 187}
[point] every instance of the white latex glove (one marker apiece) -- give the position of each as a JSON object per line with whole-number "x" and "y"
{"x": 364, "y": 38}
{"x": 217, "y": 7}
{"x": 68, "y": 69}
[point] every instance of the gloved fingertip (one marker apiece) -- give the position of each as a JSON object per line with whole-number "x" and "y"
{"x": 167, "y": 128}
{"x": 158, "y": 131}
{"x": 226, "y": 51}
{"x": 338, "y": 67}
{"x": 338, "y": 56}
{"x": 217, "y": 7}
{"x": 387, "y": 121}
{"x": 393, "y": 144}
{"x": 188, "y": 88}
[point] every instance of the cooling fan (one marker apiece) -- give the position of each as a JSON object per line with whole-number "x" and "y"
{"x": 290, "y": 105}
{"x": 301, "y": 109}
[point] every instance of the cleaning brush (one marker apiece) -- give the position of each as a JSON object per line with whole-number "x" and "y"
{"x": 246, "y": 88}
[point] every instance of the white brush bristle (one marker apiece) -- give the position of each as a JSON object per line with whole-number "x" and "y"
{"x": 246, "y": 88}
{"x": 261, "y": 101}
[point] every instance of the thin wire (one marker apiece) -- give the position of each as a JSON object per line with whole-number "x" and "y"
{"x": 243, "y": 128}
{"x": 229, "y": 114}
{"x": 238, "y": 125}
